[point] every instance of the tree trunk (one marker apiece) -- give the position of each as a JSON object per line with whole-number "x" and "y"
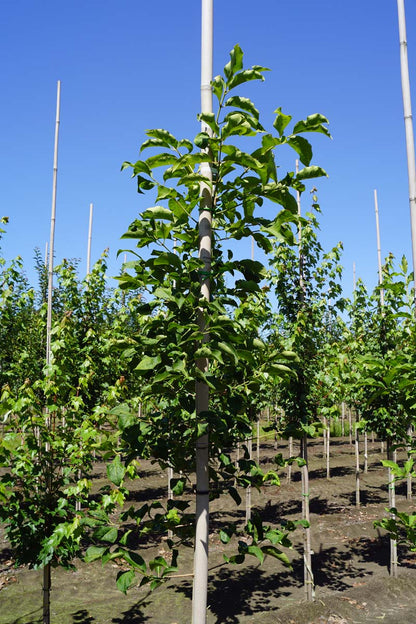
{"x": 365, "y": 452}
{"x": 248, "y": 489}
{"x": 350, "y": 425}
{"x": 258, "y": 442}
{"x": 46, "y": 593}
{"x": 409, "y": 478}
{"x": 289, "y": 466}
{"x": 328, "y": 442}
{"x": 307, "y": 551}
{"x": 392, "y": 456}
{"x": 357, "y": 468}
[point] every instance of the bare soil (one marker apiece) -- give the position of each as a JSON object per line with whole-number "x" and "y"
{"x": 350, "y": 561}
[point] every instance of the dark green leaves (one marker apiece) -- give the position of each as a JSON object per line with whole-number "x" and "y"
{"x": 236, "y": 62}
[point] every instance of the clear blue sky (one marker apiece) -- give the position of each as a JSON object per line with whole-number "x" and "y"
{"x": 128, "y": 66}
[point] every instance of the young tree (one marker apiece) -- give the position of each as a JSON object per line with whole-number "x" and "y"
{"x": 248, "y": 200}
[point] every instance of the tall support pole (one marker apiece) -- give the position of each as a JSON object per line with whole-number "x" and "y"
{"x": 408, "y": 122}
{"x": 307, "y": 550}
{"x": 380, "y": 273}
{"x": 47, "y": 568}
{"x": 200, "y": 586}
{"x": 89, "y": 241}
{"x": 53, "y": 219}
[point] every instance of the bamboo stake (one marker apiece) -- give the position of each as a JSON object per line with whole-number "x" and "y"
{"x": 47, "y": 568}
{"x": 380, "y": 273}
{"x": 200, "y": 585}
{"x": 408, "y": 121}
{"x": 89, "y": 241}
{"x": 52, "y": 232}
{"x": 365, "y": 451}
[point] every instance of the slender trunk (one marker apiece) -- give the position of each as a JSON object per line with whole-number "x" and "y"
{"x": 350, "y": 425}
{"x": 365, "y": 452}
{"x": 200, "y": 586}
{"x": 258, "y": 442}
{"x": 324, "y": 436}
{"x": 392, "y": 456}
{"x": 170, "y": 493}
{"x": 307, "y": 550}
{"x": 289, "y": 466}
{"x": 328, "y": 443}
{"x": 409, "y": 478}
{"x": 249, "y": 442}
{"x": 46, "y": 594}
{"x": 342, "y": 419}
{"x": 357, "y": 468}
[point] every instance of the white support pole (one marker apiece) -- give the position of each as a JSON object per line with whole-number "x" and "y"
{"x": 200, "y": 586}
{"x": 89, "y": 241}
{"x": 408, "y": 121}
{"x": 47, "y": 569}
{"x": 380, "y": 273}
{"x": 53, "y": 219}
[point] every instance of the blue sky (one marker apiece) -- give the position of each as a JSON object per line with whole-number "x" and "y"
{"x": 128, "y": 66}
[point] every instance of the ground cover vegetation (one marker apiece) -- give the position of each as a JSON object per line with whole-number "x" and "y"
{"x": 274, "y": 340}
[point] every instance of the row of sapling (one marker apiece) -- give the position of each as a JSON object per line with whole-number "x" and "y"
{"x": 246, "y": 200}
{"x": 47, "y": 462}
{"x": 307, "y": 287}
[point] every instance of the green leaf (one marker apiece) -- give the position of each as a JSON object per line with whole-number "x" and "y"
{"x": 148, "y": 363}
{"x": 106, "y": 534}
{"x": 167, "y": 139}
{"x": 281, "y": 121}
{"x": 257, "y": 552}
{"x": 158, "y": 212}
{"x": 116, "y": 471}
{"x": 245, "y": 76}
{"x": 235, "y": 63}
{"x": 275, "y": 552}
{"x": 242, "y": 102}
{"x": 313, "y": 123}
{"x": 209, "y": 120}
{"x": 234, "y": 495}
{"x": 125, "y": 580}
{"x": 94, "y": 552}
{"x": 311, "y": 172}
{"x": 302, "y": 147}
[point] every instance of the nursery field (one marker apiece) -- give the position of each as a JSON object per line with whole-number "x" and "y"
{"x": 350, "y": 560}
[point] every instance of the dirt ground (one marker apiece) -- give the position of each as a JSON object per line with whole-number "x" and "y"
{"x": 350, "y": 561}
